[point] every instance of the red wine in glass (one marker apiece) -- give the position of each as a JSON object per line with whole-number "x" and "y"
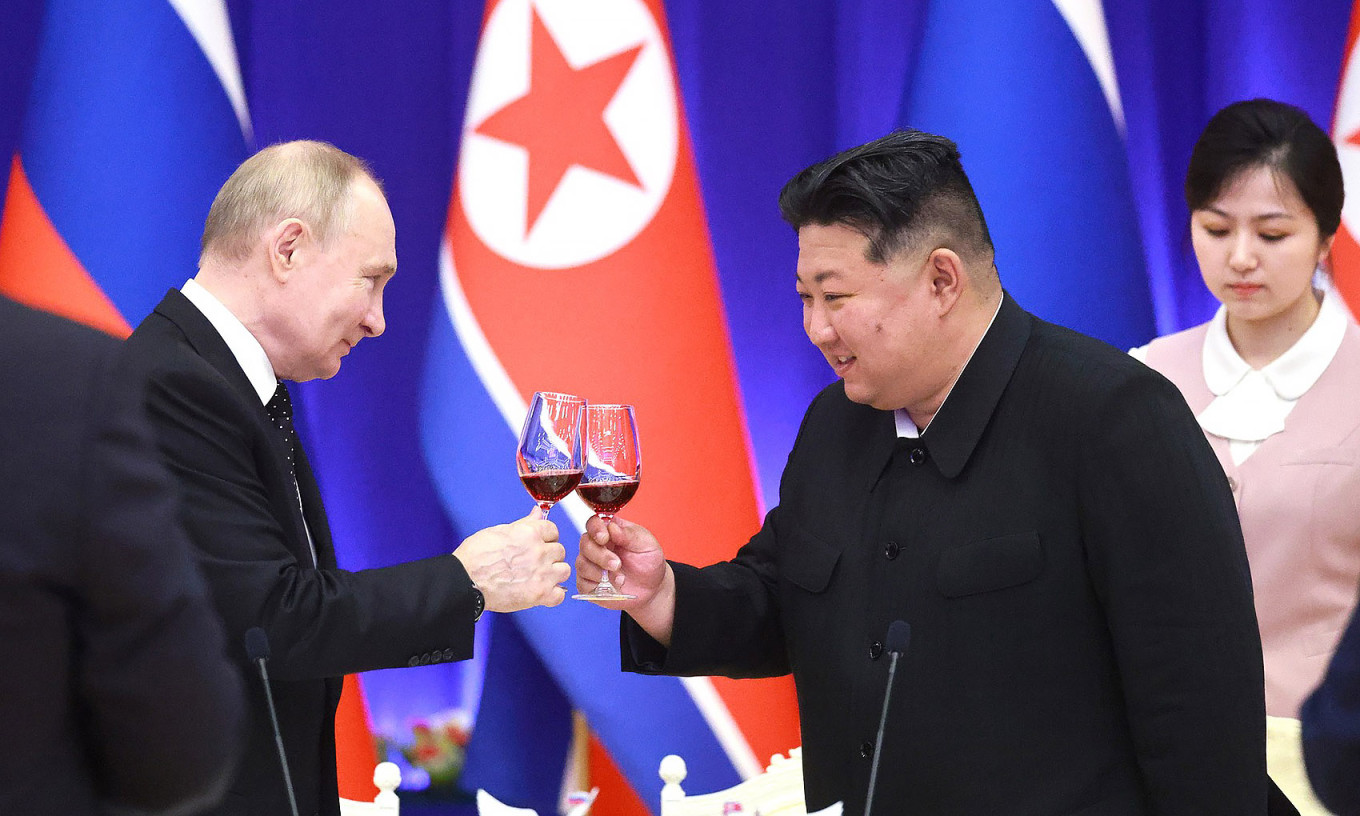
{"x": 613, "y": 465}
{"x": 551, "y": 486}
{"x": 549, "y": 454}
{"x": 607, "y": 498}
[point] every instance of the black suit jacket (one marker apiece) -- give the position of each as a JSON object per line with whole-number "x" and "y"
{"x": 241, "y": 511}
{"x": 1066, "y": 550}
{"x": 116, "y": 691}
{"x": 1331, "y": 727}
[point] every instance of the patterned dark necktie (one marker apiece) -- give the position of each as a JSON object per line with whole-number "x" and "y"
{"x": 280, "y": 409}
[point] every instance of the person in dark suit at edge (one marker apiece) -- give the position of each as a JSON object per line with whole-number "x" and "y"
{"x": 1330, "y": 719}
{"x": 297, "y": 249}
{"x": 116, "y": 695}
{"x": 1042, "y": 510}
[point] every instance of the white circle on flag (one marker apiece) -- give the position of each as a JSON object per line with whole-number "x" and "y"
{"x": 589, "y": 215}
{"x": 1347, "y": 125}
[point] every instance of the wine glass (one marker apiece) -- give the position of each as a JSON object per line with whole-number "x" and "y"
{"x": 549, "y": 453}
{"x": 612, "y": 468}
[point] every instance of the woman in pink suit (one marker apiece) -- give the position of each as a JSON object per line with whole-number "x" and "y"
{"x": 1274, "y": 379}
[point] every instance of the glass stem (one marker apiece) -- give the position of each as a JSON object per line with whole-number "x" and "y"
{"x": 605, "y": 587}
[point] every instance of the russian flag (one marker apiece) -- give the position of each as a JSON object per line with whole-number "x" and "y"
{"x": 578, "y": 260}
{"x": 1028, "y": 91}
{"x": 135, "y": 117}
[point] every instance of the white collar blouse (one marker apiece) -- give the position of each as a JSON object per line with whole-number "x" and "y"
{"x": 1250, "y": 405}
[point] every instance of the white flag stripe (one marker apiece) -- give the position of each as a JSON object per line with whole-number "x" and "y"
{"x": 1086, "y": 18}
{"x": 725, "y": 728}
{"x": 207, "y": 21}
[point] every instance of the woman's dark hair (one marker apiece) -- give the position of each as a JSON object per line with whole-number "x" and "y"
{"x": 1266, "y": 133}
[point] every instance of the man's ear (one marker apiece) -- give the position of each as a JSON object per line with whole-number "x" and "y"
{"x": 945, "y": 272}
{"x": 285, "y": 248}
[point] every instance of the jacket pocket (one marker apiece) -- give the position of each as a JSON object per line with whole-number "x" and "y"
{"x": 808, "y": 562}
{"x": 990, "y": 564}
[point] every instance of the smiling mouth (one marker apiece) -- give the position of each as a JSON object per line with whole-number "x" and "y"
{"x": 839, "y": 363}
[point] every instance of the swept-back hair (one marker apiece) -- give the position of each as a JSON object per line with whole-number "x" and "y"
{"x": 899, "y": 191}
{"x": 306, "y": 180}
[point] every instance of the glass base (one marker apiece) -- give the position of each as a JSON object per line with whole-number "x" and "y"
{"x": 603, "y": 593}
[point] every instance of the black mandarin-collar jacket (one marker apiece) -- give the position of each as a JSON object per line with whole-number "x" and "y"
{"x": 1066, "y": 550}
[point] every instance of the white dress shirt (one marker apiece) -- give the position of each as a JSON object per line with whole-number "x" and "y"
{"x": 244, "y": 347}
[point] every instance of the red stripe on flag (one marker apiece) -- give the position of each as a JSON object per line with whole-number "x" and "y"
{"x": 355, "y": 751}
{"x": 643, "y": 325}
{"x": 616, "y": 797}
{"x": 1345, "y": 255}
{"x": 38, "y": 268}
{"x": 1352, "y": 34}
{"x": 1346, "y": 268}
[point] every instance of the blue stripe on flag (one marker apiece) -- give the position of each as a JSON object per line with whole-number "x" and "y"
{"x": 1011, "y": 85}
{"x": 470, "y": 453}
{"x": 129, "y": 136}
{"x": 524, "y": 724}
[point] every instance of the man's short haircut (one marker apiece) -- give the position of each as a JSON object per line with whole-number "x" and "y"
{"x": 306, "y": 180}
{"x": 904, "y": 190}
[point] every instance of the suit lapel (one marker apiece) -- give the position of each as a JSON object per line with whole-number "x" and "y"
{"x": 870, "y": 441}
{"x": 314, "y": 511}
{"x": 958, "y": 427}
{"x": 204, "y": 339}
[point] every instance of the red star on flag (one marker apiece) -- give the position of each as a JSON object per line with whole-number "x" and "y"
{"x": 560, "y": 121}
{"x": 1354, "y": 139}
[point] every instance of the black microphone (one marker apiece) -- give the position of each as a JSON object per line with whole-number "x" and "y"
{"x": 257, "y": 649}
{"x": 899, "y": 637}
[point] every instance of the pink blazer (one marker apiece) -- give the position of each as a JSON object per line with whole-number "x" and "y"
{"x": 1298, "y": 496}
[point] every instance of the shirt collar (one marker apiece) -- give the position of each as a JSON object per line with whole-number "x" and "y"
{"x": 249, "y": 354}
{"x": 1291, "y": 374}
{"x": 906, "y": 427}
{"x": 959, "y": 425}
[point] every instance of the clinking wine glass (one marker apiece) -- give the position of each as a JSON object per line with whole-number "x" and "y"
{"x": 613, "y": 465}
{"x": 549, "y": 453}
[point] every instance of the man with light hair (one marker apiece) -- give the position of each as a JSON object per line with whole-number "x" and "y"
{"x": 297, "y": 249}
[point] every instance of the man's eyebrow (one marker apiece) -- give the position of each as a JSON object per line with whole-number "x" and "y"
{"x": 821, "y": 277}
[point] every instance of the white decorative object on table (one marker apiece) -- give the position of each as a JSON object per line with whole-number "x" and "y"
{"x": 386, "y": 777}
{"x": 777, "y": 791}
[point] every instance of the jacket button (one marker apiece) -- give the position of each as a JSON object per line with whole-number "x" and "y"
{"x": 917, "y": 456}
{"x": 448, "y": 654}
{"x": 891, "y": 550}
{"x": 875, "y": 650}
{"x": 866, "y": 749}
{"x": 414, "y": 661}
{"x": 1232, "y": 484}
